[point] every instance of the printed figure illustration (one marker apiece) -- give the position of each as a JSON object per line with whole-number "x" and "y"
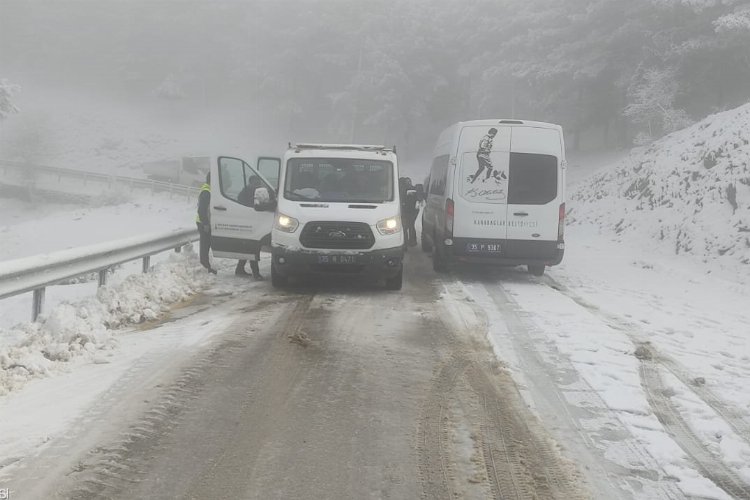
{"x": 485, "y": 161}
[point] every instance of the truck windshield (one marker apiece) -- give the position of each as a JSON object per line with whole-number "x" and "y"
{"x": 339, "y": 180}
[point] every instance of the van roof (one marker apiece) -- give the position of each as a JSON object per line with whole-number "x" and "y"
{"x": 362, "y": 151}
{"x": 509, "y": 122}
{"x": 348, "y": 147}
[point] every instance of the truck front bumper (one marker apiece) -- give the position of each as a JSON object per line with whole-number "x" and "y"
{"x": 384, "y": 263}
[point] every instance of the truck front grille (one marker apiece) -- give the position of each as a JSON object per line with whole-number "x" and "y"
{"x": 337, "y": 235}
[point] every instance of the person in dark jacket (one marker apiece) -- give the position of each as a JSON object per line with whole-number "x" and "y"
{"x": 247, "y": 198}
{"x": 409, "y": 210}
{"x": 203, "y": 221}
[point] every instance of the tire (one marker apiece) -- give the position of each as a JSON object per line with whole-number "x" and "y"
{"x": 536, "y": 269}
{"x": 395, "y": 282}
{"x": 278, "y": 280}
{"x": 438, "y": 260}
{"x": 426, "y": 245}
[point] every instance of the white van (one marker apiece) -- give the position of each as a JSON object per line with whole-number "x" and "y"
{"x": 338, "y": 213}
{"x": 496, "y": 195}
{"x": 243, "y": 201}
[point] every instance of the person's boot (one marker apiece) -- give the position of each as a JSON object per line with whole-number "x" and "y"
{"x": 240, "y": 269}
{"x": 256, "y": 270}
{"x": 211, "y": 270}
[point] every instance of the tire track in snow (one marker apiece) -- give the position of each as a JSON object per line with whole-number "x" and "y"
{"x": 710, "y": 465}
{"x": 731, "y": 415}
{"x": 671, "y": 418}
{"x": 525, "y": 339}
{"x": 111, "y": 470}
{"x": 519, "y": 458}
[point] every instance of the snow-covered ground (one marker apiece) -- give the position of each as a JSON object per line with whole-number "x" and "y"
{"x": 609, "y": 341}
{"x": 34, "y": 228}
{"x": 634, "y": 352}
{"x": 688, "y": 193}
{"x": 29, "y": 229}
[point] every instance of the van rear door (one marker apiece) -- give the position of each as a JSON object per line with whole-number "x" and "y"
{"x": 535, "y": 184}
{"x": 237, "y": 225}
{"x": 480, "y": 186}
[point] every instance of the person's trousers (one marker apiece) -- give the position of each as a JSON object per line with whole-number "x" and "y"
{"x": 410, "y": 231}
{"x": 205, "y": 246}
{"x": 253, "y": 265}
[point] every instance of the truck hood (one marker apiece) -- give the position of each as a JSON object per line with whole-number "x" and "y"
{"x": 369, "y": 213}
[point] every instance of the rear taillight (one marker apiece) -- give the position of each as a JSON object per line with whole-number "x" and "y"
{"x": 561, "y": 223}
{"x": 449, "y": 212}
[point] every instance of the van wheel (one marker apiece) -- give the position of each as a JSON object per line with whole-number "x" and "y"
{"x": 536, "y": 269}
{"x": 278, "y": 280}
{"x": 395, "y": 282}
{"x": 438, "y": 261}
{"x": 426, "y": 245}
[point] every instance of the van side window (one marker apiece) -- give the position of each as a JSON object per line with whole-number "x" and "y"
{"x": 533, "y": 179}
{"x": 238, "y": 181}
{"x": 439, "y": 175}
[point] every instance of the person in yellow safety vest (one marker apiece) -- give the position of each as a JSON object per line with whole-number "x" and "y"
{"x": 203, "y": 221}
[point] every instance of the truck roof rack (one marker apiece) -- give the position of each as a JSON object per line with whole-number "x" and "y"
{"x": 342, "y": 147}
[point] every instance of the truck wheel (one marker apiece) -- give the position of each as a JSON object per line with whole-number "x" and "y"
{"x": 438, "y": 260}
{"x": 536, "y": 269}
{"x": 277, "y": 280}
{"x": 395, "y": 282}
{"x": 426, "y": 245}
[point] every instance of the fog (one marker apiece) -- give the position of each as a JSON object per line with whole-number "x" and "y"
{"x": 250, "y": 76}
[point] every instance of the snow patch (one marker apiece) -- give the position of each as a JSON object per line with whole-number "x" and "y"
{"x": 87, "y": 327}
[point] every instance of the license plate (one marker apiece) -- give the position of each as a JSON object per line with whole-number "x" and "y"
{"x": 337, "y": 259}
{"x": 491, "y": 248}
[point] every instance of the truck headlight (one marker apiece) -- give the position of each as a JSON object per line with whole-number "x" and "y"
{"x": 391, "y": 225}
{"x": 285, "y": 223}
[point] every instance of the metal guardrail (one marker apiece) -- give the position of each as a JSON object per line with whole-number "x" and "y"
{"x": 34, "y": 274}
{"x": 30, "y": 175}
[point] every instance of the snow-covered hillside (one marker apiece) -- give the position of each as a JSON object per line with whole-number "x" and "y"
{"x": 688, "y": 192}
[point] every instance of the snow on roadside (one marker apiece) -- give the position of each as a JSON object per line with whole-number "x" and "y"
{"x": 688, "y": 193}
{"x": 87, "y": 328}
{"x": 698, "y": 319}
{"x": 35, "y": 228}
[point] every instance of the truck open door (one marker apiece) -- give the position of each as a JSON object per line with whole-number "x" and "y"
{"x": 242, "y": 209}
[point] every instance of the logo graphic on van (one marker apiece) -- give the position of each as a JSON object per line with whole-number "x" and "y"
{"x": 337, "y": 235}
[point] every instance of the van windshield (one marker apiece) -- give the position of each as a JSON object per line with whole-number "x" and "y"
{"x": 339, "y": 180}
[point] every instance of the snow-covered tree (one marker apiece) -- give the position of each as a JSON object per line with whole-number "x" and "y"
{"x": 7, "y": 91}
{"x": 652, "y": 102}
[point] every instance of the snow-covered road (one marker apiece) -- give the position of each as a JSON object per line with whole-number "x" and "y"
{"x": 328, "y": 390}
{"x": 620, "y": 374}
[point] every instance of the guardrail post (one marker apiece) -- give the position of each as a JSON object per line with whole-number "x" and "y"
{"x": 38, "y": 303}
{"x": 146, "y": 264}
{"x": 103, "y": 277}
